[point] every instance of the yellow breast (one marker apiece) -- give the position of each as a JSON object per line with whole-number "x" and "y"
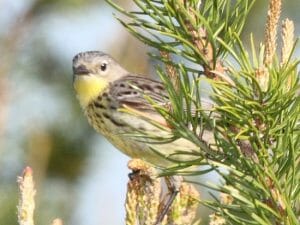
{"x": 88, "y": 88}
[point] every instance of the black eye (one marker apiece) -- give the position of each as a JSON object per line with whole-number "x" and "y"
{"x": 103, "y": 66}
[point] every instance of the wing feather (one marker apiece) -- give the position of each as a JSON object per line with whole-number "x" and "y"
{"x": 130, "y": 92}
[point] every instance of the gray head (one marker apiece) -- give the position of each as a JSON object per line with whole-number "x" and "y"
{"x": 97, "y": 63}
{"x": 93, "y": 71}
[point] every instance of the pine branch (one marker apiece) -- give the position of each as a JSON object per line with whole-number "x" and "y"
{"x": 254, "y": 111}
{"x": 27, "y": 204}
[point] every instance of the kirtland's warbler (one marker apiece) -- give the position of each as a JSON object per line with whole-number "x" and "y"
{"x": 114, "y": 102}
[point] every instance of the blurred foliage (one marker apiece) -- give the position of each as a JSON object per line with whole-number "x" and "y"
{"x": 8, "y": 202}
{"x": 40, "y": 7}
{"x": 70, "y": 148}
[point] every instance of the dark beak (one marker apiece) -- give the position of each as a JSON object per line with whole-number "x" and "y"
{"x": 80, "y": 70}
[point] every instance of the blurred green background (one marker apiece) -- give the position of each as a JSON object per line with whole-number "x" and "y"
{"x": 80, "y": 177}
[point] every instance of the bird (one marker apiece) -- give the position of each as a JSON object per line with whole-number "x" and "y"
{"x": 114, "y": 102}
{"x": 121, "y": 106}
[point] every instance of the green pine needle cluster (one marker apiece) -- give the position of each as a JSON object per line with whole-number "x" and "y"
{"x": 256, "y": 148}
{"x": 166, "y": 25}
